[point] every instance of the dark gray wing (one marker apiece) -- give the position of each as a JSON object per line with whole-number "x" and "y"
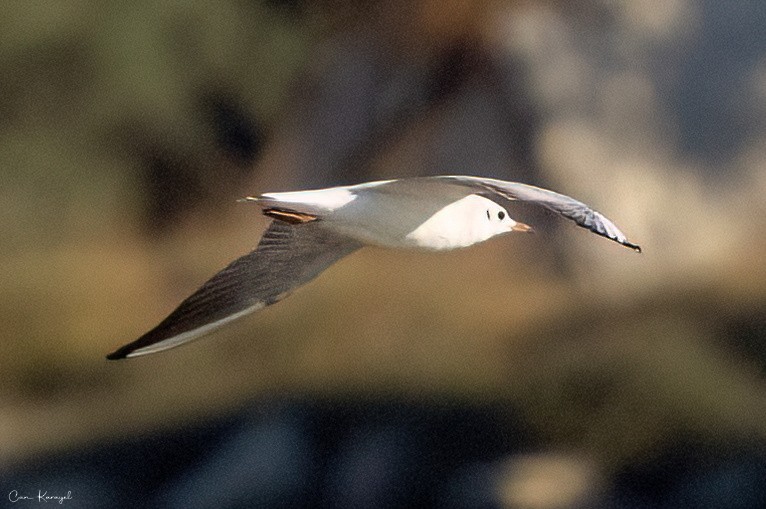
{"x": 568, "y": 207}
{"x": 287, "y": 257}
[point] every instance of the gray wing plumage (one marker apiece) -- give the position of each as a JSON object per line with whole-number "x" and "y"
{"x": 287, "y": 257}
{"x": 568, "y": 207}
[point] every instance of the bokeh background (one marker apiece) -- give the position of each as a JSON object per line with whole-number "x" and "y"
{"x": 549, "y": 371}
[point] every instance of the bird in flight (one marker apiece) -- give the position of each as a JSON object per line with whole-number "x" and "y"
{"x": 311, "y": 230}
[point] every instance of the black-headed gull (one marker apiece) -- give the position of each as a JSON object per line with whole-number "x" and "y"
{"x": 311, "y": 230}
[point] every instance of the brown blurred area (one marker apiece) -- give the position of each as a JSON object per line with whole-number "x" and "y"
{"x": 127, "y": 134}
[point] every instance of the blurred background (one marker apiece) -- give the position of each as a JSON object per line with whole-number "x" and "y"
{"x": 550, "y": 371}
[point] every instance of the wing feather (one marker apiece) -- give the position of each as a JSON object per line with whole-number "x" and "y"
{"x": 287, "y": 257}
{"x": 564, "y": 205}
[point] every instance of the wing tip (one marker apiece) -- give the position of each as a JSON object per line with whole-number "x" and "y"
{"x": 138, "y": 349}
{"x": 120, "y": 353}
{"x": 128, "y": 351}
{"x": 143, "y": 345}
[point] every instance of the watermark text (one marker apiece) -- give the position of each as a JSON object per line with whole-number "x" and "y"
{"x": 42, "y": 496}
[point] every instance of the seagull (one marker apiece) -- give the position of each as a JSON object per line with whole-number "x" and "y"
{"x": 311, "y": 230}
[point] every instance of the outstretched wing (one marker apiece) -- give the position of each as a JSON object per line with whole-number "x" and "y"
{"x": 568, "y": 207}
{"x": 287, "y": 257}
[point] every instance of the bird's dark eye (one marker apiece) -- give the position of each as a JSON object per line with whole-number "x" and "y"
{"x": 488, "y": 214}
{"x": 501, "y": 215}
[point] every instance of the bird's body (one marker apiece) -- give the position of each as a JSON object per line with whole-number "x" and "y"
{"x": 313, "y": 229}
{"x": 387, "y": 218}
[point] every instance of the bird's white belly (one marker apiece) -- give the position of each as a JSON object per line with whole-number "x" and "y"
{"x": 449, "y": 228}
{"x": 416, "y": 225}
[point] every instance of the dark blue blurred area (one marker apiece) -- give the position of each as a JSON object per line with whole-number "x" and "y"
{"x": 374, "y": 454}
{"x": 293, "y": 454}
{"x": 711, "y": 95}
{"x": 690, "y": 474}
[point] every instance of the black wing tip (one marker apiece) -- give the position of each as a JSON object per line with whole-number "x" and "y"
{"x": 634, "y": 247}
{"x": 120, "y": 353}
{"x": 125, "y": 350}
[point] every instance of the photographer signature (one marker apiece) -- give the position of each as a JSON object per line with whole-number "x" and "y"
{"x": 42, "y": 496}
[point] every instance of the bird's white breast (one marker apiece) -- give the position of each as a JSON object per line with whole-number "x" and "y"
{"x": 453, "y": 226}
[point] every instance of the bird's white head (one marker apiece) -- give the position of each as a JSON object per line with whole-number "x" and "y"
{"x": 463, "y": 223}
{"x": 492, "y": 219}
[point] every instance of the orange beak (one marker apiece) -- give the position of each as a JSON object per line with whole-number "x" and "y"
{"x": 521, "y": 227}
